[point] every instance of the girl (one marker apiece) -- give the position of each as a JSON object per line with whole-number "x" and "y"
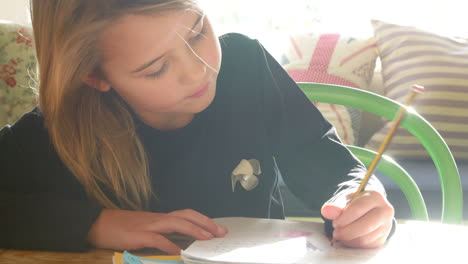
{"x": 146, "y": 123}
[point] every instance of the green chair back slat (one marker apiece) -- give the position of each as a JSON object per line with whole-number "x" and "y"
{"x": 396, "y": 173}
{"x": 452, "y": 194}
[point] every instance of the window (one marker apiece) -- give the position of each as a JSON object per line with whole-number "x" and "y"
{"x": 271, "y": 21}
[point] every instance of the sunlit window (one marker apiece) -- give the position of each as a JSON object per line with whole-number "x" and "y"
{"x": 270, "y": 21}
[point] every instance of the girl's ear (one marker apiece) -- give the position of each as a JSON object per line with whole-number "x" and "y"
{"x": 96, "y": 82}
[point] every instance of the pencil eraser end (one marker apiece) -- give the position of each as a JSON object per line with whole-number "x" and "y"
{"x": 418, "y": 88}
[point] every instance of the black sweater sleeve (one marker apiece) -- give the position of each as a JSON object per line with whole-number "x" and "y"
{"x": 42, "y": 206}
{"x": 314, "y": 163}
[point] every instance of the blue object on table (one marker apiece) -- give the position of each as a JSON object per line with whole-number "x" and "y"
{"x": 132, "y": 259}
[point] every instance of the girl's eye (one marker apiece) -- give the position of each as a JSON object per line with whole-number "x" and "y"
{"x": 199, "y": 35}
{"x": 163, "y": 69}
{"x": 157, "y": 74}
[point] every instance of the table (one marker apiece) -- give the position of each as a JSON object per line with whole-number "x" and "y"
{"x": 101, "y": 256}
{"x": 96, "y": 256}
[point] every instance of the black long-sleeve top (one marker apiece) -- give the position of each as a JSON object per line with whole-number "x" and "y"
{"x": 258, "y": 113}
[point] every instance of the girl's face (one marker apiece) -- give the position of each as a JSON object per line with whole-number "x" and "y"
{"x": 164, "y": 66}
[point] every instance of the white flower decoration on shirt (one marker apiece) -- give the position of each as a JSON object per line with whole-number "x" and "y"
{"x": 246, "y": 173}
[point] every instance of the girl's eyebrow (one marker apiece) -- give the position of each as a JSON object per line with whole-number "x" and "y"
{"x": 148, "y": 64}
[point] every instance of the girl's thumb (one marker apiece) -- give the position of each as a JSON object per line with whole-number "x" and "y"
{"x": 331, "y": 211}
{"x": 334, "y": 207}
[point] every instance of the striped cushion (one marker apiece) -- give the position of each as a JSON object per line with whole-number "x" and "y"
{"x": 412, "y": 56}
{"x": 333, "y": 59}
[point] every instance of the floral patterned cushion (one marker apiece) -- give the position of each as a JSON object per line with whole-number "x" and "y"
{"x": 17, "y": 65}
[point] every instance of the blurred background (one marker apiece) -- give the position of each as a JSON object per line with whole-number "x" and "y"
{"x": 270, "y": 20}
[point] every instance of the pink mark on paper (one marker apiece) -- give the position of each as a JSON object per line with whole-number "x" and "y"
{"x": 295, "y": 233}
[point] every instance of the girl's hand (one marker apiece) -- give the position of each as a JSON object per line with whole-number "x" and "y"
{"x": 365, "y": 222}
{"x": 125, "y": 230}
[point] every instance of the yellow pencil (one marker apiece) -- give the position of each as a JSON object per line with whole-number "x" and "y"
{"x": 396, "y": 122}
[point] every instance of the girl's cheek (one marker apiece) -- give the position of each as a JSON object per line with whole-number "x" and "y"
{"x": 214, "y": 55}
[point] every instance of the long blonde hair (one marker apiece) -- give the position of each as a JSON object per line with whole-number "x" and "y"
{"x": 92, "y": 132}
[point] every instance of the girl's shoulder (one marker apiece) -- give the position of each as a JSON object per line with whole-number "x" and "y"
{"x": 241, "y": 55}
{"x": 234, "y": 37}
{"x": 237, "y": 44}
{"x": 29, "y": 122}
{"x": 27, "y": 130}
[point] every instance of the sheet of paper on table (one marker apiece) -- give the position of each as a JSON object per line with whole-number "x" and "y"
{"x": 261, "y": 241}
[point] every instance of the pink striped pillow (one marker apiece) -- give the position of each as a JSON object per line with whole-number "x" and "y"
{"x": 412, "y": 56}
{"x": 333, "y": 59}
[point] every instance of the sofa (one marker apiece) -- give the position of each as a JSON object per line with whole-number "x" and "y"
{"x": 388, "y": 63}
{"x": 438, "y": 62}
{"x": 17, "y": 67}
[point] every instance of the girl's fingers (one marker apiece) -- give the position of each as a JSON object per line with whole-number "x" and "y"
{"x": 367, "y": 224}
{"x": 360, "y": 206}
{"x": 153, "y": 240}
{"x": 373, "y": 239}
{"x": 122, "y": 229}
{"x": 173, "y": 224}
{"x": 201, "y": 220}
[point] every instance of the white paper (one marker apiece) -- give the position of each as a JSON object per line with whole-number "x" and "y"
{"x": 261, "y": 241}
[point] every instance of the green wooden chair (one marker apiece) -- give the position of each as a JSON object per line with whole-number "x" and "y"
{"x": 452, "y": 195}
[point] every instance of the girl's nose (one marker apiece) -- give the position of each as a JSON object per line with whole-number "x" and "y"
{"x": 193, "y": 67}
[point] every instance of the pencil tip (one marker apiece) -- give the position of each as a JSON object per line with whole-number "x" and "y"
{"x": 418, "y": 88}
